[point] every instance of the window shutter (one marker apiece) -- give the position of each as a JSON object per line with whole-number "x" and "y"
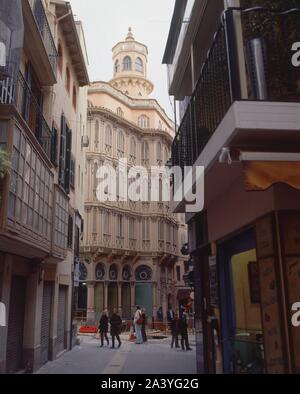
{"x": 68, "y": 159}
{"x": 54, "y": 146}
{"x": 72, "y": 173}
{"x": 62, "y": 156}
{"x": 70, "y": 232}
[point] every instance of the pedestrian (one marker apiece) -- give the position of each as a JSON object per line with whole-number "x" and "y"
{"x": 173, "y": 325}
{"x": 174, "y": 332}
{"x": 103, "y": 328}
{"x": 138, "y": 322}
{"x": 115, "y": 328}
{"x": 159, "y": 314}
{"x": 183, "y": 329}
{"x": 144, "y": 316}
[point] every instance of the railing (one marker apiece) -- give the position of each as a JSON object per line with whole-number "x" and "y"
{"x": 45, "y": 31}
{"x": 268, "y": 38}
{"x": 208, "y": 105}
{"x": 18, "y": 92}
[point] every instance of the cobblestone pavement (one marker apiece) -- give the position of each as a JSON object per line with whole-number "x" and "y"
{"x": 154, "y": 357}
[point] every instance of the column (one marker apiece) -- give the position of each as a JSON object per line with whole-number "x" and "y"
{"x": 105, "y": 295}
{"x": 132, "y": 289}
{"x": 154, "y": 298}
{"x": 91, "y": 303}
{"x": 120, "y": 298}
{"x": 5, "y": 298}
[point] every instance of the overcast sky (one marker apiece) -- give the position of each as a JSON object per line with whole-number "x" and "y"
{"x": 106, "y": 22}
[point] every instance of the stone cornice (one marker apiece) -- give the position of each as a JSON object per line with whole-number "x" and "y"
{"x": 107, "y": 113}
{"x": 104, "y": 87}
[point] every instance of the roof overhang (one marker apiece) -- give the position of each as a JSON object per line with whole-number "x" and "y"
{"x": 67, "y": 23}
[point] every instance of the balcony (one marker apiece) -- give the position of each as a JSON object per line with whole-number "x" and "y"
{"x": 39, "y": 42}
{"x": 245, "y": 86}
{"x": 17, "y": 93}
{"x": 27, "y": 204}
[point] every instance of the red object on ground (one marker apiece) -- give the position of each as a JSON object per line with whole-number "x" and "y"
{"x": 88, "y": 330}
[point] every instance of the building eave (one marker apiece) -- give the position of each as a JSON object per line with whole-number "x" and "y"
{"x": 68, "y": 26}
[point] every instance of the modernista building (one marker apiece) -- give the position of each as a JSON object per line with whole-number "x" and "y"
{"x": 130, "y": 252}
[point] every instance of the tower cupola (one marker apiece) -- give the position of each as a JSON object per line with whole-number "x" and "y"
{"x": 130, "y": 59}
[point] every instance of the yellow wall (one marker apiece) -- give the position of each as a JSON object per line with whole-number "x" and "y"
{"x": 248, "y": 315}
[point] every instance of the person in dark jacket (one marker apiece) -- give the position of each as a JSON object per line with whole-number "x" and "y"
{"x": 183, "y": 330}
{"x": 103, "y": 328}
{"x": 173, "y": 324}
{"x": 144, "y": 335}
{"x": 115, "y": 328}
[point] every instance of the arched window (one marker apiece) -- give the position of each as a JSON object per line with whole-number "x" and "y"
{"x": 106, "y": 223}
{"x": 113, "y": 272}
{"x": 139, "y": 65}
{"x": 133, "y": 148}
{"x": 60, "y": 60}
{"x": 117, "y": 66}
{"x": 121, "y": 143}
{"x": 108, "y": 136}
{"x": 143, "y": 122}
{"x": 143, "y": 273}
{"x": 127, "y": 63}
{"x": 74, "y": 97}
{"x": 161, "y": 230}
{"x": 95, "y": 176}
{"x": 158, "y": 152}
{"x": 126, "y": 274}
{"x": 145, "y": 151}
{"x": 146, "y": 229}
{"x": 97, "y": 131}
{"x": 100, "y": 271}
{"x": 68, "y": 79}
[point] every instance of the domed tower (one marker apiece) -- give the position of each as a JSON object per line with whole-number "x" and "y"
{"x": 130, "y": 68}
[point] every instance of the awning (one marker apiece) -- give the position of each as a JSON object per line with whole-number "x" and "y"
{"x": 263, "y": 170}
{"x": 262, "y": 175}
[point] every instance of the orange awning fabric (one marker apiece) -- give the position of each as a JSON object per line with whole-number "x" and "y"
{"x": 261, "y": 175}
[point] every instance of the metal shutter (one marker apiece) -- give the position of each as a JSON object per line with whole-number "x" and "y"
{"x": 61, "y": 318}
{"x": 46, "y": 321}
{"x": 14, "y": 353}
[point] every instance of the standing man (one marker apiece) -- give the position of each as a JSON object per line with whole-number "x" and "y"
{"x": 183, "y": 329}
{"x": 138, "y": 322}
{"x": 115, "y": 328}
{"x": 173, "y": 324}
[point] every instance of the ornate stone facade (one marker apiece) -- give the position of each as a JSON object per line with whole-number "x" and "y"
{"x": 129, "y": 249}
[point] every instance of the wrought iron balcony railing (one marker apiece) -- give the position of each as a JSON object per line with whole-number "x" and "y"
{"x": 266, "y": 51}
{"x": 45, "y": 31}
{"x": 18, "y": 93}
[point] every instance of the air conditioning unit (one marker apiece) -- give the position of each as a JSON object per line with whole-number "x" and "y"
{"x": 85, "y": 142}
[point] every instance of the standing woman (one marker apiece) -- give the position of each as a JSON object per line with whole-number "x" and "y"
{"x": 144, "y": 335}
{"x": 138, "y": 321}
{"x": 103, "y": 328}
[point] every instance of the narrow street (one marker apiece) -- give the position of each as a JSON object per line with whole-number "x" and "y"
{"x": 155, "y": 357}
